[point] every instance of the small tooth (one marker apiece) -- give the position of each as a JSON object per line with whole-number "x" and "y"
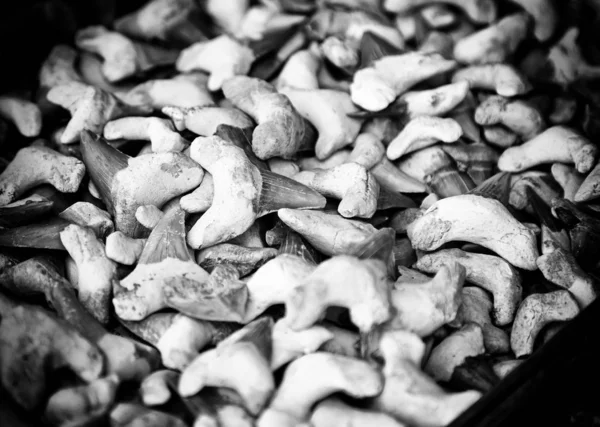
{"x": 279, "y": 192}
{"x": 257, "y": 332}
{"x": 393, "y": 179}
{"x": 495, "y": 187}
{"x": 41, "y": 235}
{"x": 102, "y": 162}
{"x": 245, "y": 260}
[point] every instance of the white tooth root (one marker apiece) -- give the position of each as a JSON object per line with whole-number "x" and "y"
{"x": 502, "y": 78}
{"x": 160, "y": 132}
{"x": 124, "y": 249}
{"x": 518, "y": 116}
{"x": 25, "y": 115}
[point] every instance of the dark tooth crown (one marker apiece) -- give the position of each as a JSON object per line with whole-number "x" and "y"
{"x": 102, "y": 162}
{"x": 167, "y": 240}
{"x": 496, "y": 187}
{"x": 293, "y": 244}
{"x": 24, "y": 214}
{"x": 41, "y": 235}
{"x": 373, "y": 47}
{"x": 542, "y": 210}
{"x": 257, "y": 332}
{"x": 379, "y": 246}
{"x": 279, "y": 192}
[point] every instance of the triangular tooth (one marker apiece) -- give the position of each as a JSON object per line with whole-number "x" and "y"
{"x": 380, "y": 246}
{"x": 24, "y": 211}
{"x": 241, "y": 138}
{"x": 257, "y": 332}
{"x": 245, "y": 260}
{"x": 475, "y": 373}
{"x": 102, "y": 162}
{"x": 293, "y": 244}
{"x": 223, "y": 297}
{"x": 279, "y": 192}
{"x": 495, "y": 187}
{"x": 167, "y": 240}
{"x": 41, "y": 235}
{"x": 447, "y": 181}
{"x": 393, "y": 179}
{"x": 373, "y": 47}
{"x": 388, "y": 200}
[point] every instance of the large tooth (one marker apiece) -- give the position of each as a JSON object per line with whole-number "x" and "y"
{"x": 313, "y": 377}
{"x": 178, "y": 337}
{"x": 38, "y": 276}
{"x": 351, "y": 183}
{"x": 478, "y": 220}
{"x": 241, "y": 197}
{"x": 489, "y": 272}
{"x": 329, "y": 285}
{"x": 477, "y": 160}
{"x": 24, "y": 211}
{"x": 240, "y": 362}
{"x": 126, "y": 183}
{"x": 535, "y": 312}
{"x": 327, "y": 232}
{"x": 421, "y": 132}
{"x": 41, "y": 235}
{"x": 432, "y": 166}
{"x": 556, "y": 144}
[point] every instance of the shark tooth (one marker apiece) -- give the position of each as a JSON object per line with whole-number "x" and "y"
{"x": 41, "y": 235}
{"x": 24, "y": 211}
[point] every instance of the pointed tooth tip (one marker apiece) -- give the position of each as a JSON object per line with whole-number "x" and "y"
{"x": 279, "y": 192}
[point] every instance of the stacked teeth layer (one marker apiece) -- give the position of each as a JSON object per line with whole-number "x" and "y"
{"x": 294, "y": 213}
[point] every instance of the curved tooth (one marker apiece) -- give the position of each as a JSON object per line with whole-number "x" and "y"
{"x": 351, "y": 183}
{"x": 478, "y": 220}
{"x": 122, "y": 57}
{"x": 90, "y": 107}
{"x": 422, "y": 132}
{"x": 328, "y": 284}
{"x": 222, "y": 57}
{"x": 313, "y": 377}
{"x": 238, "y": 362}
{"x": 437, "y": 299}
{"x": 328, "y": 111}
{"x": 424, "y": 402}
{"x": 327, "y": 232}
{"x": 204, "y": 120}
{"x": 376, "y": 87}
{"x": 281, "y": 131}
{"x": 178, "y": 94}
{"x": 502, "y": 78}
{"x": 475, "y": 308}
{"x": 521, "y": 117}
{"x": 126, "y": 183}
{"x": 453, "y": 350}
{"x": 33, "y": 166}
{"x": 495, "y": 43}
{"x": 556, "y": 144}
{"x": 535, "y": 312}
{"x": 477, "y": 160}
{"x": 489, "y": 272}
